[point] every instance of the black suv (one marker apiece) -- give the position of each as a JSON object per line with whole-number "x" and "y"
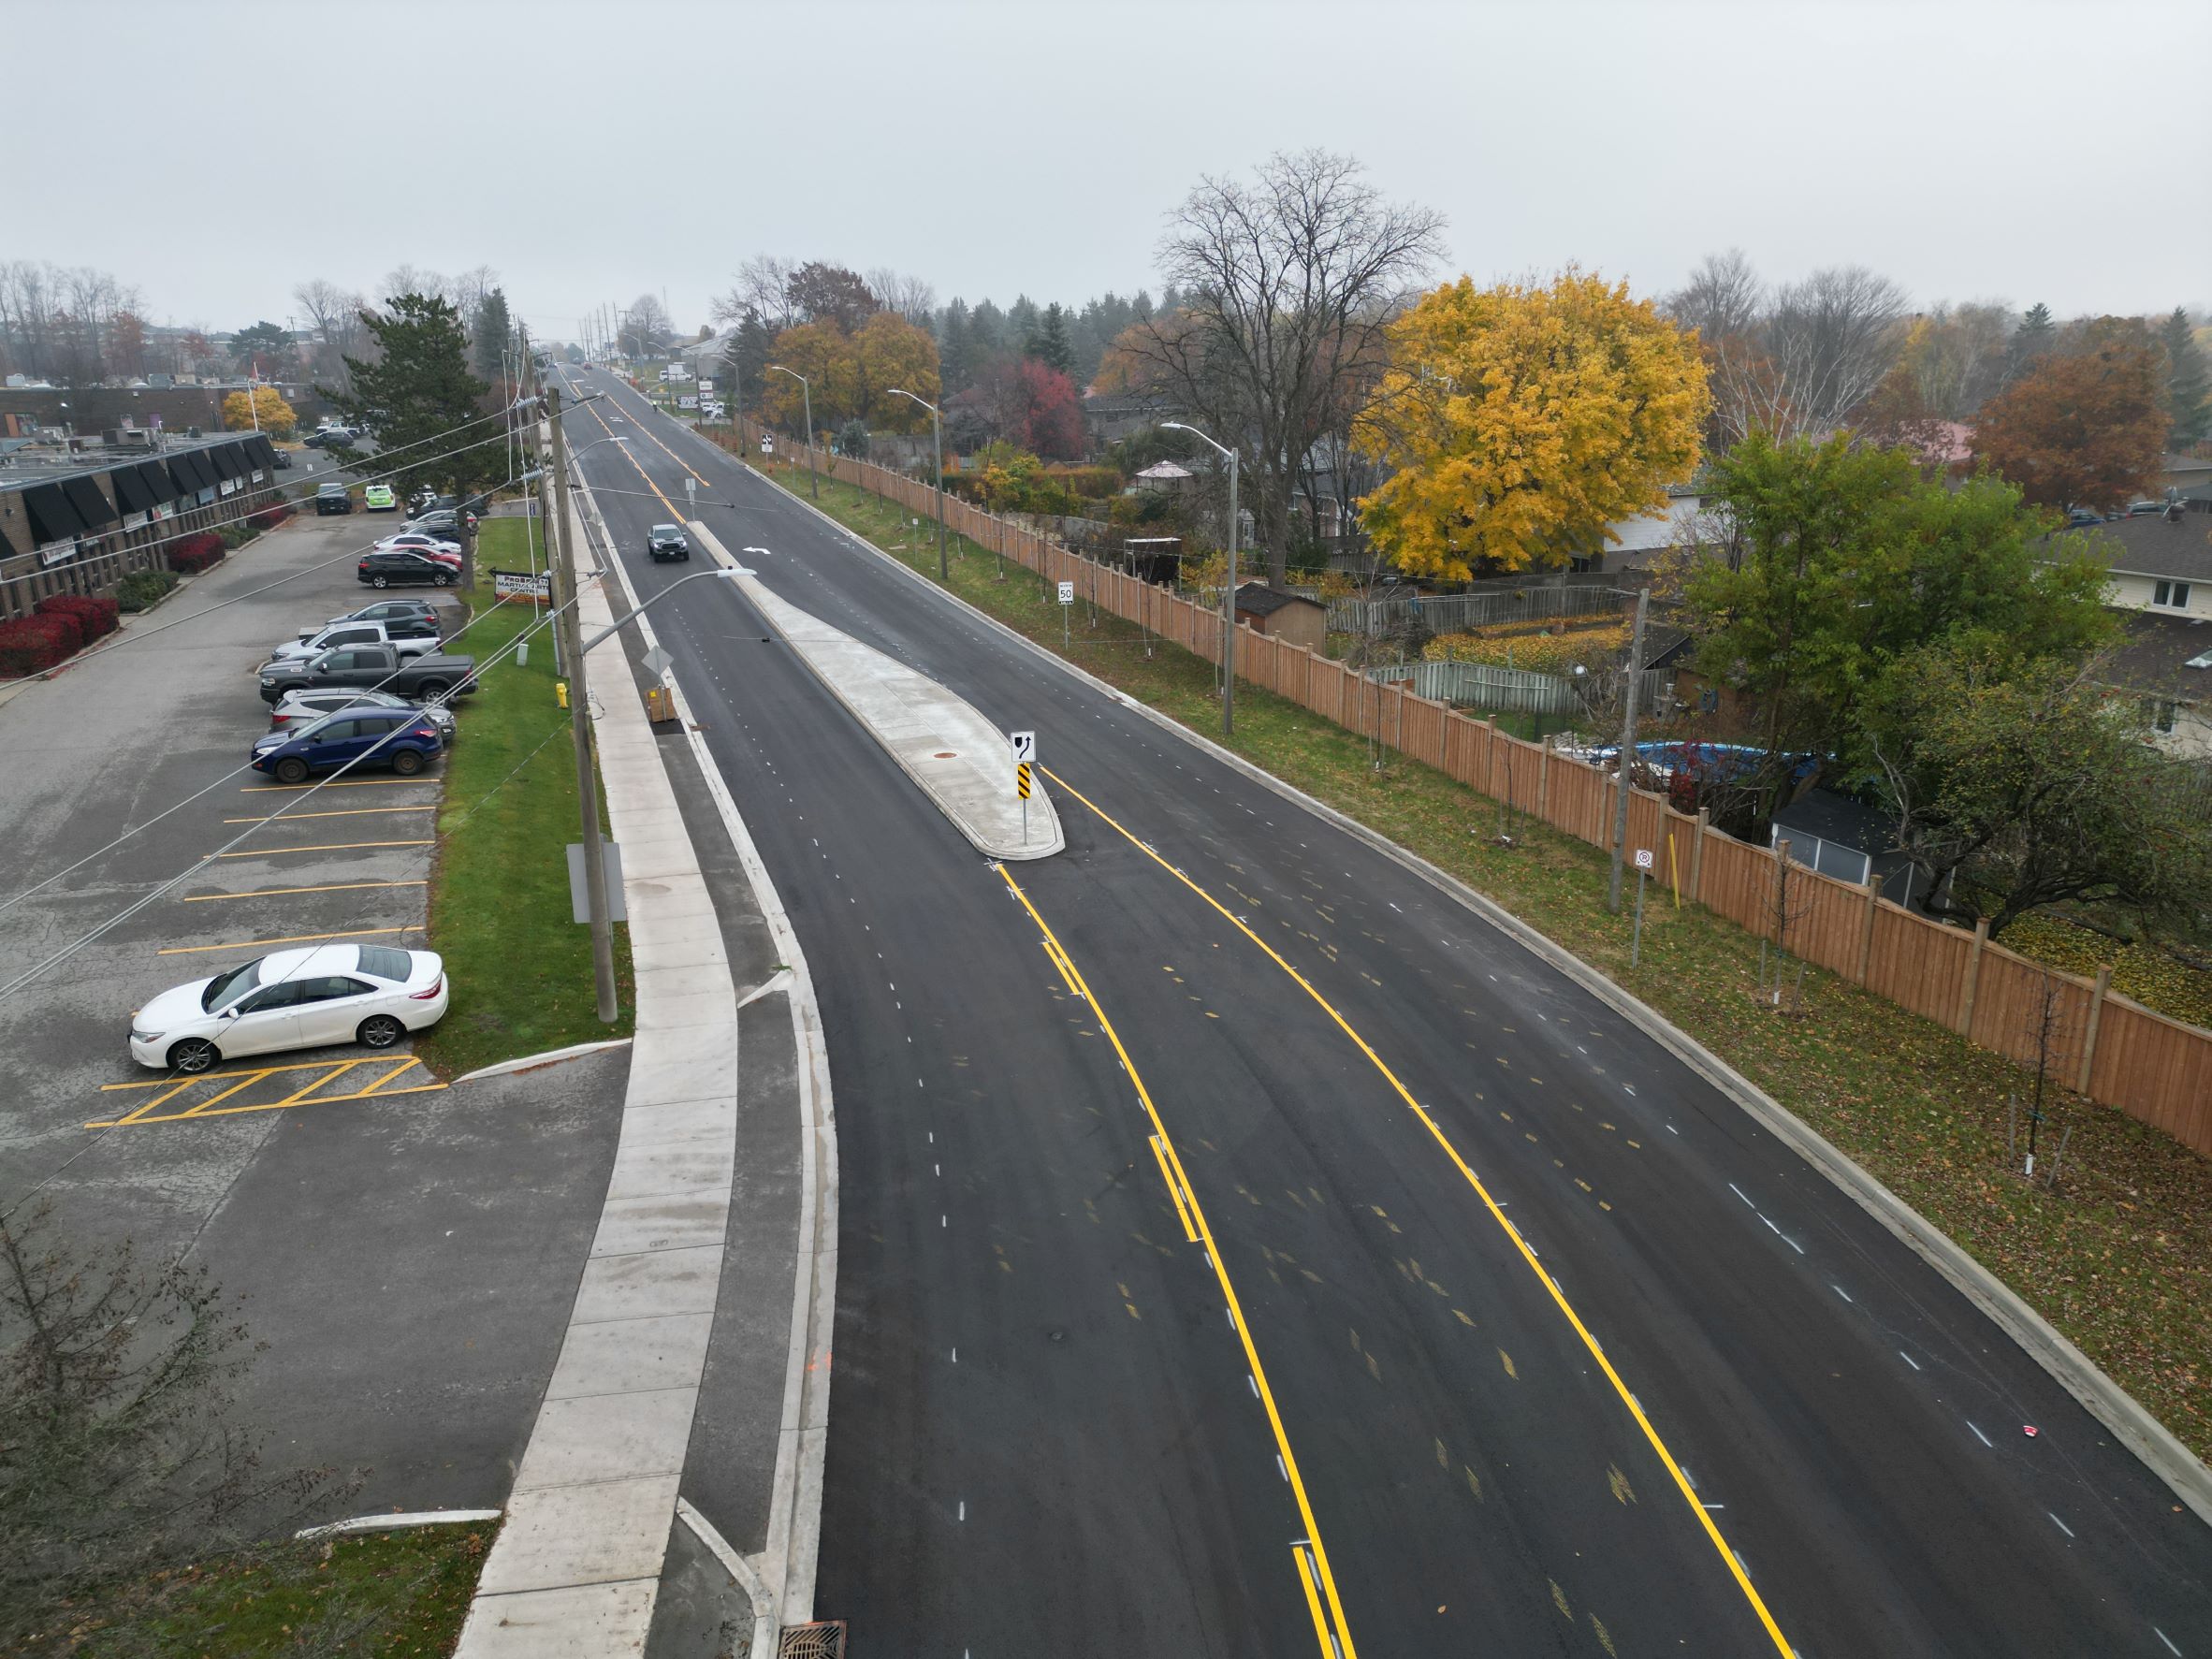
{"x": 333, "y": 497}
{"x": 392, "y": 570}
{"x": 669, "y": 541}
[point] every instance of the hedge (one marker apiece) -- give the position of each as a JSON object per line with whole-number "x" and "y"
{"x": 190, "y": 555}
{"x": 32, "y": 645}
{"x": 270, "y": 517}
{"x": 142, "y": 587}
{"x": 95, "y": 618}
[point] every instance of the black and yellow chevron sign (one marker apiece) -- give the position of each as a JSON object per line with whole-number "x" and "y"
{"x": 1022, "y": 780}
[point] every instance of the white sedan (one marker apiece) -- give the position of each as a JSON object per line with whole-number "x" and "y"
{"x": 372, "y": 995}
{"x": 415, "y": 541}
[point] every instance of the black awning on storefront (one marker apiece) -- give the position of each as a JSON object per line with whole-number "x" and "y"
{"x": 160, "y": 487}
{"x": 262, "y": 450}
{"x": 226, "y": 460}
{"x": 130, "y": 490}
{"x": 191, "y": 478}
{"x": 52, "y": 519}
{"x": 90, "y": 501}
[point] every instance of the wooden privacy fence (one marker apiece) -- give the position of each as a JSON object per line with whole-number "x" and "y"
{"x": 2088, "y": 1038}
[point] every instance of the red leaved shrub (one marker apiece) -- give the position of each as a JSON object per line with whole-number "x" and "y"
{"x": 31, "y": 645}
{"x": 96, "y": 618}
{"x": 190, "y": 555}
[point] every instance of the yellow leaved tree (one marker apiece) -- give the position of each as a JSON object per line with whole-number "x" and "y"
{"x": 277, "y": 418}
{"x": 1516, "y": 422}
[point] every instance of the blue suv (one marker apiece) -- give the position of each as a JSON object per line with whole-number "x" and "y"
{"x": 400, "y": 738}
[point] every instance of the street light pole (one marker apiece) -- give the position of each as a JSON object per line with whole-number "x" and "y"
{"x": 936, "y": 428}
{"x": 1228, "y": 598}
{"x": 1635, "y": 664}
{"x": 806, "y": 393}
{"x": 602, "y": 938}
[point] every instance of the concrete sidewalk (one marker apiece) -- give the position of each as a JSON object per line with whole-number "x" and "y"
{"x": 959, "y": 760}
{"x": 576, "y": 1569}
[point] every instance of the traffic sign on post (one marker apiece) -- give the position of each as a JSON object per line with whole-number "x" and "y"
{"x": 1024, "y": 746}
{"x": 1643, "y": 858}
{"x": 1022, "y": 780}
{"x": 1066, "y": 592}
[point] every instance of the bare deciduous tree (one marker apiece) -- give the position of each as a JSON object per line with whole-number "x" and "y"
{"x": 912, "y": 296}
{"x": 763, "y": 288}
{"x": 1796, "y": 360}
{"x": 1288, "y": 283}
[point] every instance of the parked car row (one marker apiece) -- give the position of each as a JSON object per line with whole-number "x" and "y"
{"x": 369, "y": 688}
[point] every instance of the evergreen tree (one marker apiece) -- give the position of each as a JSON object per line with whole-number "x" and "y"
{"x": 2035, "y": 335}
{"x": 491, "y": 332}
{"x": 1021, "y": 319}
{"x": 1048, "y": 342}
{"x": 2189, "y": 386}
{"x": 416, "y": 392}
{"x": 955, "y": 347}
{"x": 987, "y": 330}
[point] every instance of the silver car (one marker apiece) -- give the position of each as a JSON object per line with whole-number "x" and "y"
{"x": 296, "y": 710}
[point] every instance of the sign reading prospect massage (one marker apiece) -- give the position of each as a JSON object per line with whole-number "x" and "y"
{"x": 521, "y": 584}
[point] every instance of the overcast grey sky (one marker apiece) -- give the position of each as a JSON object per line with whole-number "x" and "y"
{"x": 216, "y": 152}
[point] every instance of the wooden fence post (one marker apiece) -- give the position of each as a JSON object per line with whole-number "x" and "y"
{"x": 1697, "y": 855}
{"x": 1866, "y": 937}
{"x": 1973, "y": 974}
{"x": 1544, "y": 784}
{"x": 2088, "y": 1038}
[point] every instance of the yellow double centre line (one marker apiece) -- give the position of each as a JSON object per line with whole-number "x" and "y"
{"x": 1164, "y": 1145}
{"x": 1496, "y": 1212}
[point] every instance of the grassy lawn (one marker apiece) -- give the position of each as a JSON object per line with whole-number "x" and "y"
{"x": 380, "y": 1595}
{"x": 2118, "y": 1257}
{"x": 520, "y": 969}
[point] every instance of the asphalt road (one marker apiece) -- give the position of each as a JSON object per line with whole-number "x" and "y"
{"x": 1564, "y": 1353}
{"x": 406, "y": 1251}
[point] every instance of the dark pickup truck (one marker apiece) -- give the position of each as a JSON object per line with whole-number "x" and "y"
{"x": 373, "y": 666}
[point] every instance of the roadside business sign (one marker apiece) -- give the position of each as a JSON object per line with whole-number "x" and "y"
{"x": 521, "y": 584}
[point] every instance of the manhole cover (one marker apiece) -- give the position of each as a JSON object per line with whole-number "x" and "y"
{"x": 825, "y": 1640}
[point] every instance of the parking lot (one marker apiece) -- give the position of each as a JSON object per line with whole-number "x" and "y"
{"x": 408, "y": 1248}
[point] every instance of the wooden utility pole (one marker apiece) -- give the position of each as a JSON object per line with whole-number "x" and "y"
{"x": 602, "y": 938}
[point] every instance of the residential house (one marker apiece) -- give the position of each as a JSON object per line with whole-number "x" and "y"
{"x": 2162, "y": 578}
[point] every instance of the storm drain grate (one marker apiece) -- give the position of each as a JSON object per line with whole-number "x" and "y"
{"x": 825, "y": 1640}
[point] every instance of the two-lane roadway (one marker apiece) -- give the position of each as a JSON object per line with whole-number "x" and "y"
{"x": 1243, "y": 1245}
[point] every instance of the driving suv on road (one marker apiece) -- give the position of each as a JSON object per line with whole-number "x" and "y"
{"x": 669, "y": 541}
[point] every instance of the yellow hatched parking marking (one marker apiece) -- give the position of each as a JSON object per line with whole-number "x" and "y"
{"x": 325, "y": 1072}
{"x": 334, "y": 812}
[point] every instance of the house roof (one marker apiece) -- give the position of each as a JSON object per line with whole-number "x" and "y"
{"x": 1165, "y": 469}
{"x": 2155, "y": 654}
{"x": 1257, "y": 599}
{"x": 2156, "y": 545}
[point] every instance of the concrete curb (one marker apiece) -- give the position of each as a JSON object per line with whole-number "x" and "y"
{"x": 963, "y": 791}
{"x": 552, "y": 1057}
{"x": 2151, "y": 1441}
{"x": 786, "y": 1563}
{"x": 392, "y": 1523}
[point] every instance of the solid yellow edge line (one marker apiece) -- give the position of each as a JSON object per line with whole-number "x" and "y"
{"x": 1312, "y": 1599}
{"x": 1598, "y": 1353}
{"x": 1182, "y": 1215}
{"x": 1236, "y": 1311}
